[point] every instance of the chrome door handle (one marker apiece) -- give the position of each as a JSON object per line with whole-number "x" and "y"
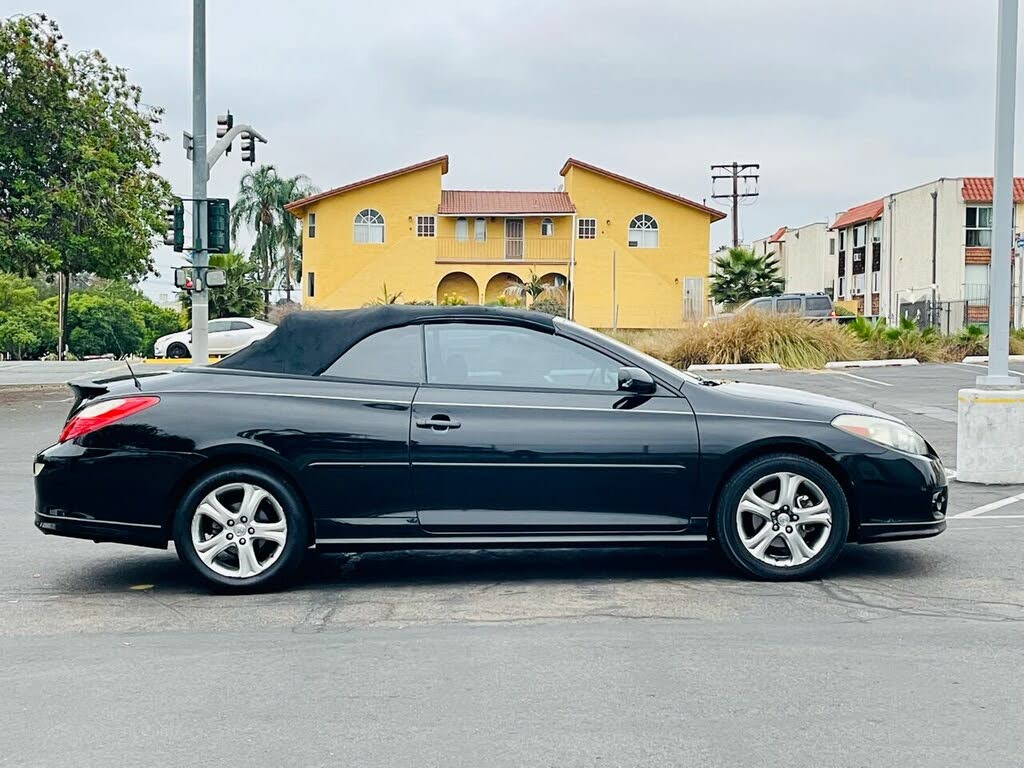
{"x": 440, "y": 423}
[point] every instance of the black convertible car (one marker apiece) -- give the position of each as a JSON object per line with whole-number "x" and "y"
{"x": 410, "y": 427}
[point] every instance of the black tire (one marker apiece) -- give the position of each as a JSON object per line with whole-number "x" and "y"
{"x": 177, "y": 350}
{"x": 291, "y": 553}
{"x": 727, "y": 526}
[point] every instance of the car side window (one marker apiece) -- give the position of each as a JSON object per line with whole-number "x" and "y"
{"x": 819, "y": 304}
{"x": 760, "y": 305}
{"x": 790, "y": 305}
{"x": 219, "y": 326}
{"x": 240, "y": 325}
{"x": 509, "y": 356}
{"x": 392, "y": 355}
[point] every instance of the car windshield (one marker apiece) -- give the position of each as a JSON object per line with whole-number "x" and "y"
{"x": 652, "y": 364}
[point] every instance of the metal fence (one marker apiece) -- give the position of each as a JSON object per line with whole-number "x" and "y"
{"x": 946, "y": 316}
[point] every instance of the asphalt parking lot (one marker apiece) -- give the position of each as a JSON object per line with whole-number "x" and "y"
{"x": 907, "y": 654}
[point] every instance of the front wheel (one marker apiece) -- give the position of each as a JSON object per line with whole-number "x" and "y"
{"x": 241, "y": 529}
{"x": 177, "y": 350}
{"x": 782, "y": 517}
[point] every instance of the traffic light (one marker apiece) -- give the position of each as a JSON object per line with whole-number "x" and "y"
{"x": 174, "y": 217}
{"x": 224, "y": 124}
{"x": 248, "y": 148}
{"x": 218, "y": 223}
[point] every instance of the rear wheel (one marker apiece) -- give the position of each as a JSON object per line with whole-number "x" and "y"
{"x": 782, "y": 517}
{"x": 241, "y": 529}
{"x": 177, "y": 350}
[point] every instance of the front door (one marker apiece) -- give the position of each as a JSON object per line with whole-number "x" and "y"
{"x": 519, "y": 430}
{"x": 513, "y": 239}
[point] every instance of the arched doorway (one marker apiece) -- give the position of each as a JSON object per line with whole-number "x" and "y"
{"x": 497, "y": 286}
{"x": 456, "y": 286}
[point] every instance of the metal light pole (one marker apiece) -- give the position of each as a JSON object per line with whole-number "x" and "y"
{"x": 1002, "y": 202}
{"x": 200, "y": 175}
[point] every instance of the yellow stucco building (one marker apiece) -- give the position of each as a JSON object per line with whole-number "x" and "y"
{"x": 620, "y": 252}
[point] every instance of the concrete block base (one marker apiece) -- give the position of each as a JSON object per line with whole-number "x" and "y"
{"x": 990, "y": 436}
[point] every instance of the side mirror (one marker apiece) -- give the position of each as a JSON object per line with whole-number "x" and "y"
{"x": 636, "y": 380}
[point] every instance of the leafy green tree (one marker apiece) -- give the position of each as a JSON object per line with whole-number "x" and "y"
{"x": 16, "y": 292}
{"x": 28, "y": 331}
{"x": 77, "y": 147}
{"x": 741, "y": 275}
{"x": 262, "y": 196}
{"x": 242, "y": 293}
{"x": 100, "y": 325}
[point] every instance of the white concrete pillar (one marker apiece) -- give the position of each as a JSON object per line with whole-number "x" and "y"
{"x": 990, "y": 436}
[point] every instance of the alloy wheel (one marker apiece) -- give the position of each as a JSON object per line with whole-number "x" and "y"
{"x": 239, "y": 530}
{"x": 784, "y": 519}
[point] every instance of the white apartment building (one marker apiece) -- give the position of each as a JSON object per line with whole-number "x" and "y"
{"x": 807, "y": 261}
{"x": 930, "y": 242}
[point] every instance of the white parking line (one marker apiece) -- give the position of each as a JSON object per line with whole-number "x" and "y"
{"x": 975, "y": 365}
{"x": 989, "y": 507}
{"x": 864, "y": 378}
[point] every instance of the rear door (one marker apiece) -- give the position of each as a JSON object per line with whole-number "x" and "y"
{"x": 520, "y": 430}
{"x": 219, "y": 339}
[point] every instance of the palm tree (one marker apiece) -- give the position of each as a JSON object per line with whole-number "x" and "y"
{"x": 741, "y": 275}
{"x": 262, "y": 196}
{"x": 291, "y": 232}
{"x": 241, "y": 294}
{"x": 534, "y": 288}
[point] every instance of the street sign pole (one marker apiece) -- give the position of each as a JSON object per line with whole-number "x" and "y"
{"x": 200, "y": 174}
{"x": 1000, "y": 290}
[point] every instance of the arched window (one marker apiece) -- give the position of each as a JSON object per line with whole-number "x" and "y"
{"x": 643, "y": 232}
{"x": 547, "y": 227}
{"x": 368, "y": 227}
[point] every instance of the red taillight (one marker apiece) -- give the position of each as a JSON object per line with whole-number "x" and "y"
{"x": 99, "y": 415}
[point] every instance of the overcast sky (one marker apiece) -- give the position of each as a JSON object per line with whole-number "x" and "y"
{"x": 840, "y": 103}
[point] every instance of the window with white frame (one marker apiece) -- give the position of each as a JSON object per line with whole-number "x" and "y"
{"x": 842, "y": 287}
{"x": 586, "y": 229}
{"x": 547, "y": 227}
{"x": 979, "y": 226}
{"x": 858, "y": 284}
{"x": 643, "y": 232}
{"x": 876, "y": 231}
{"x": 311, "y": 225}
{"x": 462, "y": 228}
{"x": 976, "y": 278}
{"x": 876, "y": 282}
{"x": 426, "y": 226}
{"x": 842, "y": 239}
{"x": 480, "y": 229}
{"x": 858, "y": 235}
{"x": 831, "y": 246}
{"x": 368, "y": 227}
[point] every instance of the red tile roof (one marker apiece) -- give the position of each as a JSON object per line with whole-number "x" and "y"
{"x": 859, "y": 214}
{"x": 463, "y": 201}
{"x": 777, "y": 237}
{"x": 571, "y": 162}
{"x": 441, "y": 160}
{"x": 978, "y": 189}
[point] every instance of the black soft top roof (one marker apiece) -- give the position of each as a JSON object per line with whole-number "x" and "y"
{"x": 306, "y": 343}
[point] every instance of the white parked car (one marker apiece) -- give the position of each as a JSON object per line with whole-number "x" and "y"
{"x": 227, "y": 335}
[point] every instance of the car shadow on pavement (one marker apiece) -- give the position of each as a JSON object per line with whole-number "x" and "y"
{"x": 474, "y": 567}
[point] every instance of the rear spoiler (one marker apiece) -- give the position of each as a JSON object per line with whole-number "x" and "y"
{"x": 89, "y": 389}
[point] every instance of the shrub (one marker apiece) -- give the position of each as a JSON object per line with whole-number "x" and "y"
{"x": 550, "y": 306}
{"x": 280, "y": 311}
{"x": 27, "y": 332}
{"x": 453, "y": 300}
{"x": 750, "y": 338}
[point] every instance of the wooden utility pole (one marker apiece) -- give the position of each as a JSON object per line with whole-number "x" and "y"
{"x": 736, "y": 171}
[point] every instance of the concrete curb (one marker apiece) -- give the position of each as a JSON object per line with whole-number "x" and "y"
{"x": 984, "y": 359}
{"x": 872, "y": 363}
{"x": 17, "y": 388}
{"x": 736, "y": 367}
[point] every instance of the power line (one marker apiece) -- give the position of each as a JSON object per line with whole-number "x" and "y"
{"x": 736, "y": 171}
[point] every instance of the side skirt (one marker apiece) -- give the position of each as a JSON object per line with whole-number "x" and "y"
{"x": 508, "y": 541}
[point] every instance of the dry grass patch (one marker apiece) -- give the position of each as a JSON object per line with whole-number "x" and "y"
{"x": 749, "y": 338}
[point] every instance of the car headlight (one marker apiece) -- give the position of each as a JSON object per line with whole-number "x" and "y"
{"x": 891, "y": 434}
